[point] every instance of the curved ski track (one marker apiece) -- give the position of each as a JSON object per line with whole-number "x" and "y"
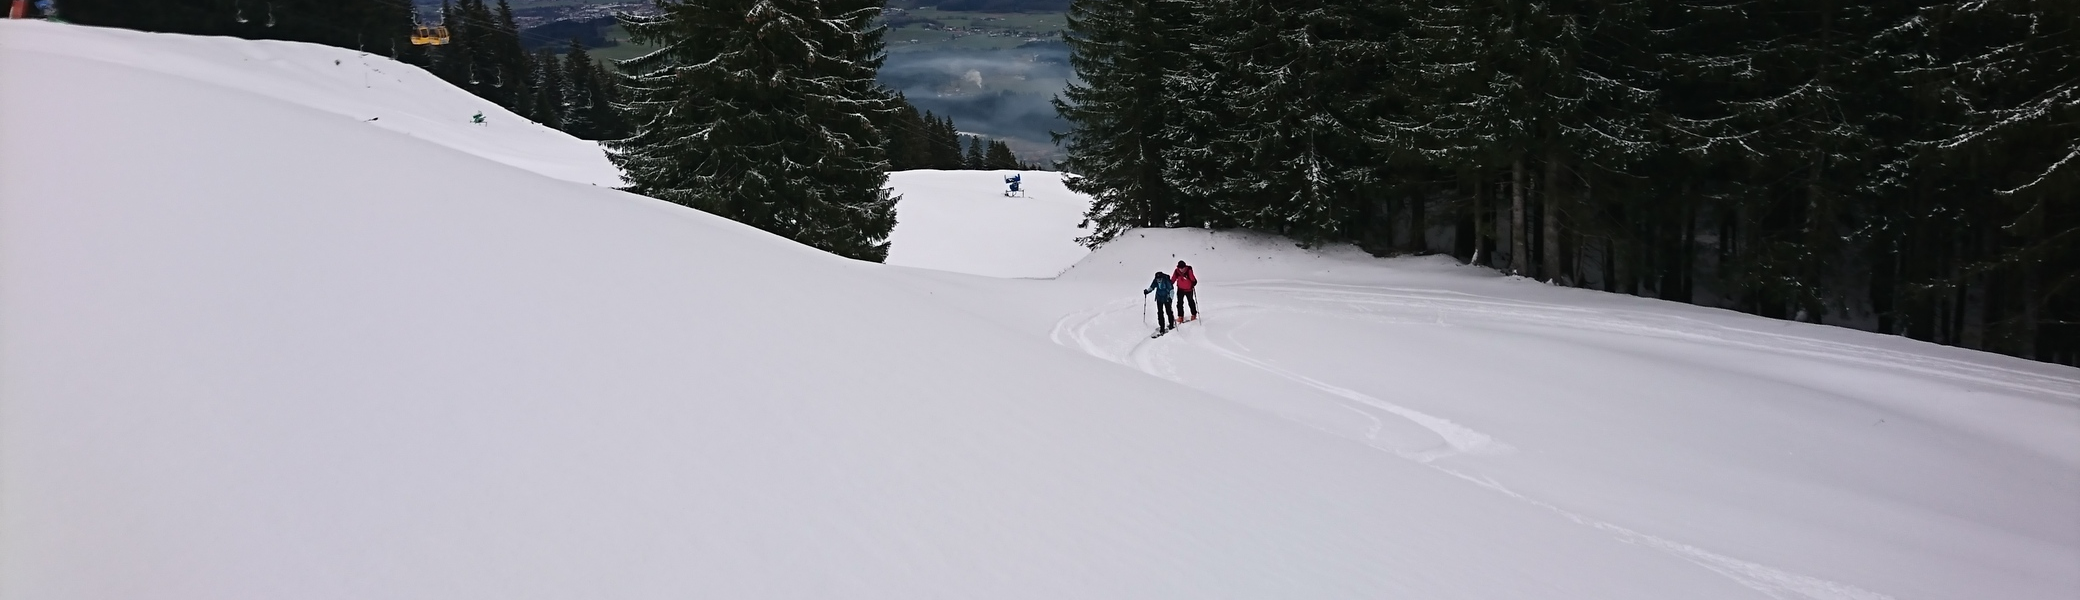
{"x": 1084, "y": 331}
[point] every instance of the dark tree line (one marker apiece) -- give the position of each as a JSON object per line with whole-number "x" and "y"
{"x": 1906, "y": 167}
{"x": 487, "y": 56}
{"x": 376, "y": 26}
{"x": 928, "y": 141}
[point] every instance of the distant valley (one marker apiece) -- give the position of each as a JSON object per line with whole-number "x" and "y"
{"x": 992, "y": 65}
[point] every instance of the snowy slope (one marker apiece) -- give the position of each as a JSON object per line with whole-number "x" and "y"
{"x": 1800, "y": 461}
{"x": 961, "y": 221}
{"x": 346, "y": 84}
{"x": 1791, "y": 457}
{"x": 409, "y": 370}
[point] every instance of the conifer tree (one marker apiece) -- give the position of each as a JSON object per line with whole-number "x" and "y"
{"x": 607, "y": 103}
{"x": 509, "y": 62}
{"x": 451, "y": 61}
{"x": 547, "y": 82}
{"x": 1986, "y": 256}
{"x": 473, "y": 47}
{"x": 1793, "y": 106}
{"x": 946, "y": 144}
{"x": 909, "y": 137}
{"x": 1199, "y": 150}
{"x": 975, "y": 158}
{"x": 764, "y": 111}
{"x": 586, "y": 113}
{"x": 1121, "y": 51}
{"x": 1298, "y": 89}
{"x": 999, "y": 156}
{"x": 922, "y": 140}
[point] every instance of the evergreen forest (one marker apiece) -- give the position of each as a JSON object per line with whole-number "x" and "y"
{"x": 1903, "y": 167}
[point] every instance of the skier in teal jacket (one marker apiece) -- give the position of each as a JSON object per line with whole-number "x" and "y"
{"x": 1165, "y": 320}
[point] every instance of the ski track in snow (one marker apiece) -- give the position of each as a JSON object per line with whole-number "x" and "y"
{"x": 1081, "y": 330}
{"x": 1775, "y": 583}
{"x": 1461, "y": 439}
{"x": 1146, "y": 355}
{"x": 1644, "y": 323}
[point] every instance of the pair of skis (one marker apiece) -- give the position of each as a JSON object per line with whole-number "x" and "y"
{"x": 1180, "y": 323}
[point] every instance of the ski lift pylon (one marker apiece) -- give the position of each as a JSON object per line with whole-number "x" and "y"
{"x": 429, "y": 35}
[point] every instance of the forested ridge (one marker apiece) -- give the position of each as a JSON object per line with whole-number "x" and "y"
{"x": 1903, "y": 167}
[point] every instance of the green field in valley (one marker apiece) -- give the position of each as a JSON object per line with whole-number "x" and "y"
{"x": 911, "y": 30}
{"x": 625, "y": 50}
{"x": 928, "y": 29}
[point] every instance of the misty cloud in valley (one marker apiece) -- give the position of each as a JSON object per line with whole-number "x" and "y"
{"x": 1001, "y": 94}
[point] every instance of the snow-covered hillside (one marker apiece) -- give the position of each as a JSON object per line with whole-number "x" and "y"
{"x": 347, "y": 85}
{"x": 254, "y": 346}
{"x": 961, "y": 221}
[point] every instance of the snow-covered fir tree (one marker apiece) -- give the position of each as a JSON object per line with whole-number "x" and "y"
{"x": 546, "y": 77}
{"x": 976, "y": 157}
{"x": 1196, "y": 130}
{"x": 1907, "y": 165}
{"x": 764, "y": 111}
{"x": 1122, "y": 50}
{"x": 1784, "y": 95}
{"x": 1996, "y": 146}
{"x": 1300, "y": 82}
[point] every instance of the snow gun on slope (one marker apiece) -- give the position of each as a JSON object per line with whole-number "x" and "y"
{"x": 1012, "y": 187}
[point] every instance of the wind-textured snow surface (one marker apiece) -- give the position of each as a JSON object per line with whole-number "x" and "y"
{"x": 252, "y": 349}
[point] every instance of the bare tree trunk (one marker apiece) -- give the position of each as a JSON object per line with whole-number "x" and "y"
{"x": 1550, "y": 217}
{"x": 1610, "y": 263}
{"x": 2028, "y": 337}
{"x": 1624, "y": 277}
{"x": 1576, "y": 267}
{"x": 1481, "y": 254}
{"x": 1418, "y": 223}
{"x": 1976, "y": 291}
{"x": 1686, "y": 257}
{"x": 1500, "y": 216}
{"x": 1519, "y": 248}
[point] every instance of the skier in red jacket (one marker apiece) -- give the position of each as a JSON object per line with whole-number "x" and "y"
{"x": 1185, "y": 281}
